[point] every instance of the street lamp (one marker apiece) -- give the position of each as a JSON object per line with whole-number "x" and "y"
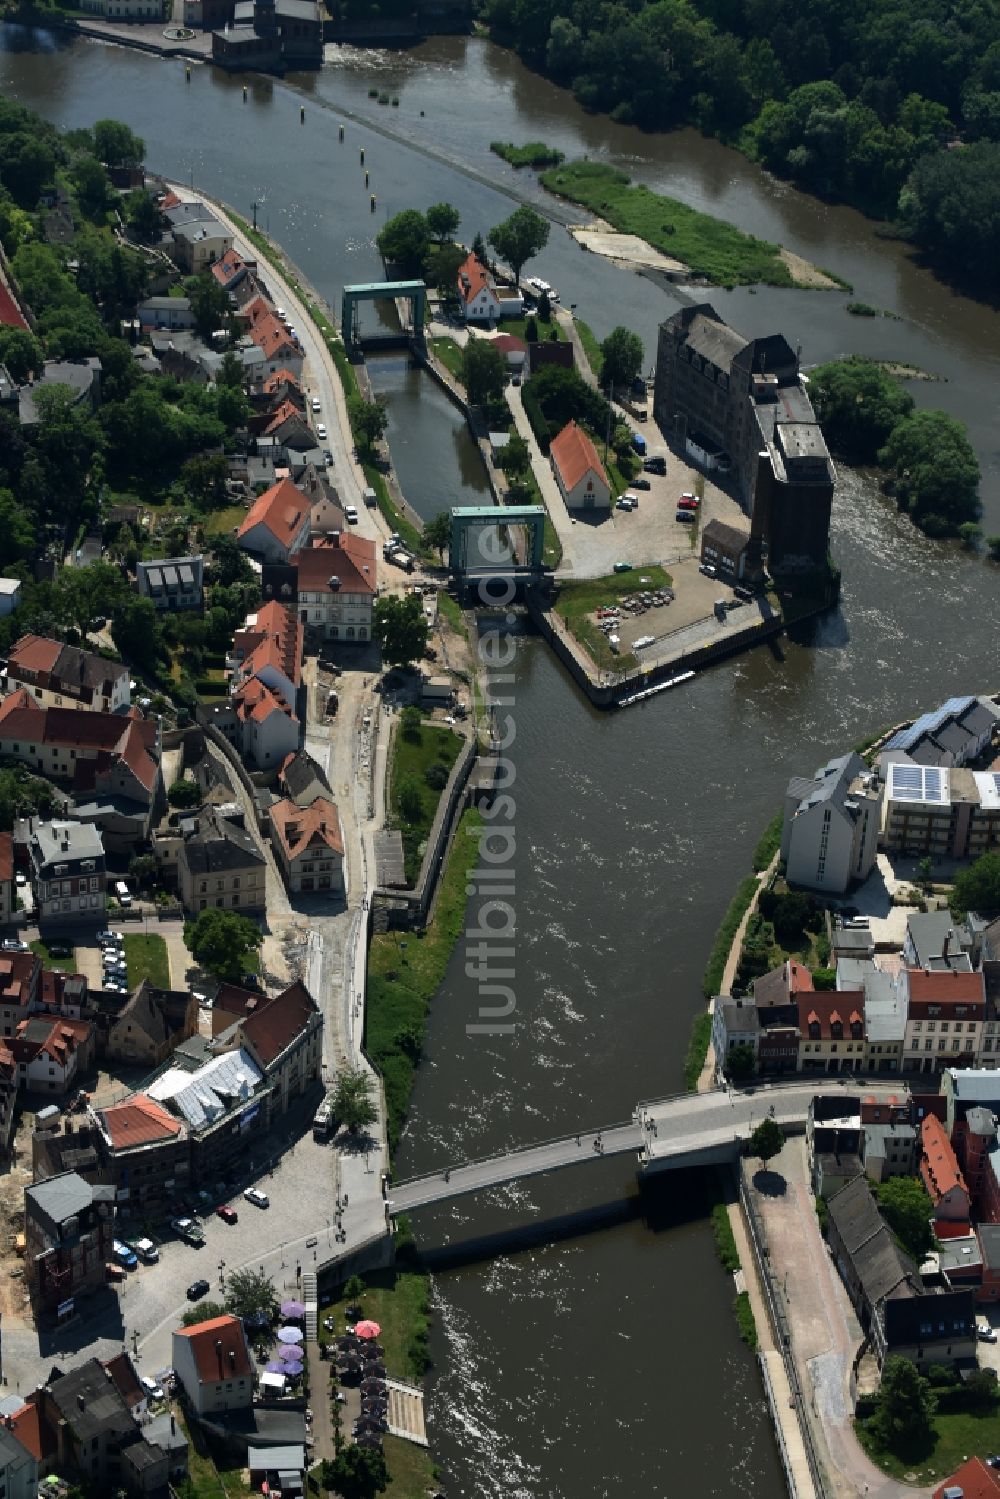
{"x": 222, "y": 1275}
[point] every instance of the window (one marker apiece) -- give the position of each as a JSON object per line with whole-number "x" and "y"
{"x": 942, "y": 1045}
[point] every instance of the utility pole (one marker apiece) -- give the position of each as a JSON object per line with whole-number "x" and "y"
{"x": 255, "y": 214}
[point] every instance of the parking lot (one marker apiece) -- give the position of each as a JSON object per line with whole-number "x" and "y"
{"x": 694, "y": 599}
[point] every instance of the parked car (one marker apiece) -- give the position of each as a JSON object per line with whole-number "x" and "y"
{"x": 124, "y": 1255}
{"x": 316, "y": 403}
{"x": 351, "y": 514}
{"x": 12, "y": 944}
{"x": 688, "y": 515}
{"x": 321, "y": 431}
{"x": 60, "y": 950}
{"x": 687, "y": 502}
{"x": 640, "y": 483}
{"x": 259, "y": 1199}
{"x": 107, "y": 936}
{"x": 20, "y": 879}
{"x": 985, "y": 1333}
{"x": 707, "y": 568}
{"x": 622, "y": 567}
{"x": 624, "y": 503}
{"x": 197, "y": 1289}
{"x": 188, "y": 1230}
{"x": 655, "y": 465}
{"x": 631, "y": 496}
{"x": 146, "y": 1250}
{"x": 152, "y": 1389}
{"x": 227, "y": 1214}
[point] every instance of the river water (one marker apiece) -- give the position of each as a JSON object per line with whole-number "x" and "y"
{"x": 606, "y": 1364}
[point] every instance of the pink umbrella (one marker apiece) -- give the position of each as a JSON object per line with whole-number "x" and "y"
{"x": 367, "y": 1329}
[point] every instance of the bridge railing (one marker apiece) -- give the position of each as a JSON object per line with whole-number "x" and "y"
{"x": 503, "y": 1155}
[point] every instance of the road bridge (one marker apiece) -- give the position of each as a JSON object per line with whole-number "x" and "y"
{"x": 665, "y": 1134}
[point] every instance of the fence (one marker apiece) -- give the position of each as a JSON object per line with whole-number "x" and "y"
{"x": 781, "y": 1329}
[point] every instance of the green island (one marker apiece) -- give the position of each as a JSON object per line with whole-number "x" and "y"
{"x": 532, "y": 154}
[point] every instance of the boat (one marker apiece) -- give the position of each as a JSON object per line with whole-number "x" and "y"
{"x": 638, "y": 697}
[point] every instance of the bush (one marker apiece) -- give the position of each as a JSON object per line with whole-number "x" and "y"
{"x": 184, "y": 794}
{"x": 745, "y": 1320}
{"x": 701, "y": 1035}
{"x": 724, "y": 936}
{"x": 436, "y": 776}
{"x": 533, "y": 412}
{"x": 410, "y": 724}
{"x": 824, "y": 979}
{"x": 769, "y": 843}
{"x": 725, "y": 1244}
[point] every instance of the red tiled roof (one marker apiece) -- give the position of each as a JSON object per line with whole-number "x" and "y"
{"x": 17, "y": 974}
{"x": 220, "y": 1349}
{"x": 138, "y": 1121}
{"x": 280, "y": 510}
{"x": 10, "y": 314}
{"x": 35, "y": 653}
{"x": 302, "y": 828}
{"x": 827, "y": 1010}
{"x": 574, "y": 456}
{"x": 125, "y": 1379}
{"x": 279, "y": 1021}
{"x": 946, "y": 985}
{"x": 280, "y": 377}
{"x": 939, "y": 1165}
{"x": 33, "y": 1432}
{"x": 169, "y": 200}
{"x": 974, "y": 1478}
{"x": 6, "y": 856}
{"x": 286, "y": 412}
{"x": 800, "y": 980}
{"x": 39, "y": 1035}
{"x": 508, "y": 343}
{"x": 256, "y": 700}
{"x": 472, "y": 278}
{"x": 351, "y": 559}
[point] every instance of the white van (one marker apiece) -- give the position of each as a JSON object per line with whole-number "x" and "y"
{"x": 123, "y": 894}
{"x": 351, "y": 514}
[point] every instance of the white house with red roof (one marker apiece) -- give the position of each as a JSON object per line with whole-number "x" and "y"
{"x": 336, "y": 587}
{"x": 481, "y": 300}
{"x": 269, "y": 647}
{"x": 309, "y": 845}
{"x": 578, "y": 470}
{"x": 213, "y": 1365}
{"x": 268, "y": 332}
{"x": 277, "y": 524}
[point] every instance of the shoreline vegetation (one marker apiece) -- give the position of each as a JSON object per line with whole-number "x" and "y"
{"x": 532, "y": 154}
{"x": 711, "y": 248}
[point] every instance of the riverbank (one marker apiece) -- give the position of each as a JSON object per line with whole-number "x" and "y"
{"x": 711, "y": 249}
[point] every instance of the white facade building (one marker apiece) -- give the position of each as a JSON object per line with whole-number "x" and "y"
{"x": 831, "y": 828}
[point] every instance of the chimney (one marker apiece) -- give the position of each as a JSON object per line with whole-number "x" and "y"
{"x": 81, "y": 1402}
{"x": 944, "y": 945}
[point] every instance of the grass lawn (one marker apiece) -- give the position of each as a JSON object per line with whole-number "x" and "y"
{"x": 411, "y": 1469}
{"x": 551, "y": 545}
{"x": 207, "y": 1480}
{"x": 591, "y": 347}
{"x": 712, "y": 248}
{"x": 517, "y": 325}
{"x": 578, "y": 600}
{"x": 450, "y": 355}
{"x": 533, "y": 154}
{"x": 68, "y": 965}
{"x": 411, "y": 759}
{"x": 146, "y": 957}
{"x": 452, "y": 612}
{"x": 402, "y": 981}
{"x": 223, "y": 522}
{"x": 397, "y": 1300}
{"x": 953, "y": 1436}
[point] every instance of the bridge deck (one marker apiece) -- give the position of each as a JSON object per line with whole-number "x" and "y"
{"x": 666, "y": 1134}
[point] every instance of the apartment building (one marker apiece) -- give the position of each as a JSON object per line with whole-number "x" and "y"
{"x": 830, "y": 833}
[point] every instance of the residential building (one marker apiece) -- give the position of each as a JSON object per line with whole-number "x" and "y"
{"x": 20, "y": 987}
{"x": 82, "y": 376}
{"x": 775, "y": 995}
{"x": 284, "y": 1035}
{"x": 332, "y": 587}
{"x": 277, "y": 524}
{"x": 261, "y": 726}
{"x": 928, "y": 809}
{"x": 8, "y": 888}
{"x": 125, "y": 10}
{"x": 974, "y": 1146}
{"x": 886, "y": 1011}
{"x": 33, "y": 1431}
{"x": 60, "y": 676}
{"x": 830, "y": 834}
{"x": 888, "y": 1149}
{"x": 144, "y": 1151}
{"x": 309, "y": 846}
{"x": 224, "y": 1101}
{"x": 988, "y": 1235}
{"x": 165, "y": 312}
{"x": 832, "y": 1032}
{"x": 121, "y": 1371}
{"x": 152, "y": 1024}
{"x": 578, "y": 470}
{"x": 740, "y": 405}
{"x": 173, "y": 583}
{"x": 833, "y": 1141}
{"x": 734, "y": 1023}
{"x": 973, "y": 1480}
{"x": 942, "y": 1176}
{"x": 213, "y": 1365}
{"x": 934, "y": 940}
{"x": 231, "y": 270}
{"x": 68, "y": 873}
{"x": 49, "y": 1053}
{"x": 959, "y": 731}
{"x": 220, "y": 864}
{"x": 10, "y": 596}
{"x": 97, "y": 1435}
{"x": 68, "y": 1229}
{"x": 480, "y": 299}
{"x": 163, "y": 1432}
{"x": 897, "y": 1312}
{"x": 725, "y": 547}
{"x": 18, "y": 1467}
{"x": 302, "y": 779}
{"x": 198, "y": 237}
{"x": 269, "y": 648}
{"x": 946, "y": 1010}
{"x": 279, "y": 348}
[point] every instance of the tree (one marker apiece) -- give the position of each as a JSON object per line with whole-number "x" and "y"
{"x": 740, "y": 1063}
{"x": 479, "y": 248}
{"x": 951, "y": 204}
{"x": 411, "y": 724}
{"x": 230, "y": 563}
{"x": 93, "y": 189}
{"x": 766, "y": 1140}
{"x": 621, "y": 359}
{"x": 222, "y": 941}
{"x": 437, "y": 532}
{"x": 404, "y": 241}
{"x": 20, "y": 351}
{"x": 67, "y": 438}
{"x": 484, "y": 371}
{"x": 28, "y": 166}
{"x": 205, "y": 1311}
{"x": 442, "y": 220}
{"x": 409, "y": 798}
{"x": 442, "y": 271}
{"x": 184, "y": 794}
{"x": 544, "y": 308}
{"x": 352, "y": 1100}
{"x": 209, "y": 303}
{"x": 137, "y": 632}
{"x": 520, "y": 237}
{"x": 116, "y": 145}
{"x": 970, "y": 535}
{"x": 144, "y": 216}
{"x": 251, "y": 1296}
{"x": 400, "y": 627}
{"x": 354, "y": 1288}
{"x": 906, "y": 1207}
{"x": 17, "y": 534}
{"x": 933, "y": 471}
{"x": 993, "y": 547}
{"x": 369, "y": 420}
{"x": 858, "y": 405}
{"x": 925, "y": 872}
{"x": 906, "y": 1403}
{"x": 204, "y": 477}
{"x": 21, "y": 795}
{"x": 977, "y": 888}
{"x": 357, "y": 1472}
{"x": 143, "y": 868}
{"x": 516, "y": 456}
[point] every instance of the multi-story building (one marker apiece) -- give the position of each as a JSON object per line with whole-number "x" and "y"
{"x": 199, "y": 238}
{"x": 946, "y": 1011}
{"x": 220, "y": 864}
{"x": 957, "y": 732}
{"x": 277, "y": 524}
{"x": 832, "y": 1032}
{"x": 173, "y": 583}
{"x": 830, "y": 834}
{"x": 97, "y": 1436}
{"x": 144, "y": 1152}
{"x": 734, "y": 1023}
{"x": 269, "y": 647}
{"x": 68, "y": 1229}
{"x": 7, "y": 885}
{"x": 740, "y": 405}
{"x": 886, "y": 997}
{"x": 942, "y": 1176}
{"x": 49, "y": 1053}
{"x": 68, "y": 873}
{"x": 309, "y": 846}
{"x": 213, "y": 1365}
{"x": 61, "y": 676}
{"x": 284, "y": 1035}
{"x": 941, "y": 811}
{"x": 333, "y": 587}
{"x": 18, "y": 1467}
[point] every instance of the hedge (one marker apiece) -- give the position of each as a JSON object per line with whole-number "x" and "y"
{"x": 701, "y": 1035}
{"x": 536, "y": 417}
{"x": 769, "y": 843}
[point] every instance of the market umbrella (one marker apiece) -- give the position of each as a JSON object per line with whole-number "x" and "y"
{"x": 290, "y": 1352}
{"x": 289, "y": 1335}
{"x": 368, "y": 1439}
{"x": 347, "y": 1340}
{"x": 367, "y": 1329}
{"x": 351, "y": 1366}
{"x": 292, "y": 1309}
{"x": 372, "y": 1387}
{"x": 374, "y": 1408}
{"x": 366, "y": 1424}
{"x": 294, "y": 1370}
{"x": 371, "y": 1350}
{"x": 274, "y": 1367}
{"x": 375, "y": 1371}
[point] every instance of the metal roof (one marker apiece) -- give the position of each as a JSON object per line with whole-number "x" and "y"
{"x": 929, "y": 723}
{"x": 204, "y": 1096}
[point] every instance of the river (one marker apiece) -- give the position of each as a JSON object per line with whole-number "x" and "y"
{"x": 607, "y": 1364}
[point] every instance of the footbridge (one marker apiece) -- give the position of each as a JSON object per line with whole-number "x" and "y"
{"x": 664, "y": 1134}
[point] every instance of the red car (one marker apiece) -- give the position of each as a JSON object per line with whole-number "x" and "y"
{"x": 687, "y": 502}
{"x": 227, "y": 1214}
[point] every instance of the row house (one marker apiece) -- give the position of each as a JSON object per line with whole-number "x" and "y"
{"x": 260, "y": 717}
{"x": 957, "y": 732}
{"x": 946, "y": 1012}
{"x": 268, "y": 647}
{"x": 277, "y": 524}
{"x": 332, "y": 586}
{"x": 942, "y": 1176}
{"x": 262, "y": 726}
{"x": 49, "y": 1054}
{"x": 831, "y": 1031}
{"x": 280, "y": 348}
{"x": 59, "y": 675}
{"x": 8, "y": 887}
{"x": 220, "y": 864}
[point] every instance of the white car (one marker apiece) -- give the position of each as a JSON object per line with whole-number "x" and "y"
{"x": 316, "y": 403}
{"x": 624, "y": 503}
{"x": 321, "y": 431}
{"x": 985, "y": 1333}
{"x": 351, "y": 514}
{"x": 152, "y": 1389}
{"x": 20, "y": 879}
{"x": 259, "y": 1199}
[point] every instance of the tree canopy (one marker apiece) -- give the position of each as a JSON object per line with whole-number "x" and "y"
{"x": 520, "y": 237}
{"x": 621, "y": 359}
{"x": 369, "y": 420}
{"x": 442, "y": 220}
{"x": 905, "y": 1405}
{"x": 400, "y": 627}
{"x": 404, "y": 240}
{"x": 906, "y": 1207}
{"x": 437, "y": 532}
{"x": 250, "y": 1294}
{"x": 356, "y": 1472}
{"x": 977, "y": 887}
{"x": 222, "y": 941}
{"x": 484, "y": 371}
{"x": 858, "y": 405}
{"x": 933, "y": 471}
{"x": 116, "y": 145}
{"x": 352, "y": 1100}
{"x": 767, "y": 1139}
